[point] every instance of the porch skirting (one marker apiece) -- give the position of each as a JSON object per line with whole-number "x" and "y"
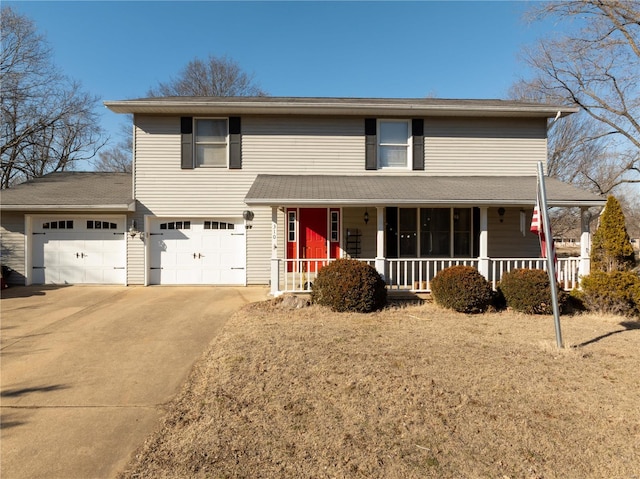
{"x": 416, "y": 274}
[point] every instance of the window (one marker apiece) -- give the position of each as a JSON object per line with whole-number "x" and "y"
{"x": 393, "y": 144}
{"x": 291, "y": 226}
{"x": 211, "y": 142}
{"x": 335, "y": 226}
{"x": 105, "y": 225}
{"x": 176, "y": 225}
{"x": 430, "y": 232}
{"x": 218, "y": 225}
{"x": 62, "y": 224}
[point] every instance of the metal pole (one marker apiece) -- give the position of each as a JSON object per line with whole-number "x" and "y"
{"x": 551, "y": 267}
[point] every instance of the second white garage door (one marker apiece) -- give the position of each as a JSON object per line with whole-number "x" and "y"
{"x": 197, "y": 251}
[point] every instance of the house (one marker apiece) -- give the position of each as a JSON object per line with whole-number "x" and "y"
{"x": 268, "y": 190}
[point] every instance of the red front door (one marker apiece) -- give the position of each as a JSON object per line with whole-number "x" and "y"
{"x": 313, "y": 235}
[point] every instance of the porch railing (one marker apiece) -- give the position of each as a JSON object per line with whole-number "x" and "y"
{"x": 416, "y": 274}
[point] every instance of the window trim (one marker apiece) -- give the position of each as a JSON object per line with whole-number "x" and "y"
{"x": 409, "y": 145}
{"x": 196, "y": 142}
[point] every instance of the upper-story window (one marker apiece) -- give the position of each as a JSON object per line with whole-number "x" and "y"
{"x": 211, "y": 140}
{"x": 394, "y": 144}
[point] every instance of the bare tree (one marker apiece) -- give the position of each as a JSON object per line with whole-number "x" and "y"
{"x": 597, "y": 67}
{"x": 48, "y": 121}
{"x": 119, "y": 157}
{"x": 215, "y": 76}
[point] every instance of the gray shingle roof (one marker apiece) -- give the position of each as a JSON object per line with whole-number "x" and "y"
{"x": 289, "y": 190}
{"x": 72, "y": 190}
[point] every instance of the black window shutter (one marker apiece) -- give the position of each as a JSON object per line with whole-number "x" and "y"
{"x": 371, "y": 144}
{"x": 417, "y": 131}
{"x": 235, "y": 143}
{"x": 186, "y": 132}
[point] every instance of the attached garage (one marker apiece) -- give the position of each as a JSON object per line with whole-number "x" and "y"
{"x": 73, "y": 249}
{"x": 208, "y": 251}
{"x": 68, "y": 228}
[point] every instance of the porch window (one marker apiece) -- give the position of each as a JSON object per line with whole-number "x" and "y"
{"x": 291, "y": 226}
{"x": 394, "y": 144}
{"x": 408, "y": 232}
{"x": 462, "y": 232}
{"x": 435, "y": 229}
{"x": 335, "y": 226}
{"x": 429, "y": 232}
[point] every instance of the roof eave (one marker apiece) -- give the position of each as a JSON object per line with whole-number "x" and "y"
{"x": 177, "y": 107}
{"x": 124, "y": 208}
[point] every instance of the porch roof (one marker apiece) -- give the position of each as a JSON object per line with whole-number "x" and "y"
{"x": 370, "y": 190}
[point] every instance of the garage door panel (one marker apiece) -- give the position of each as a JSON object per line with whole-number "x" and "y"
{"x": 197, "y": 254}
{"x": 76, "y": 254}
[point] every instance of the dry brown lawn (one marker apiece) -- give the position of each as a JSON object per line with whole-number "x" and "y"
{"x": 413, "y": 392}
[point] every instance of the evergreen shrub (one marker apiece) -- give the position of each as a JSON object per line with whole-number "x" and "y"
{"x": 463, "y": 289}
{"x": 617, "y": 292}
{"x": 611, "y": 249}
{"x": 349, "y": 285}
{"x": 529, "y": 291}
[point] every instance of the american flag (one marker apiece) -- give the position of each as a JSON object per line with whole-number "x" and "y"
{"x": 538, "y": 228}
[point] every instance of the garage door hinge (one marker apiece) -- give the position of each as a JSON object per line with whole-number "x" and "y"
{"x": 39, "y": 233}
{"x": 155, "y": 268}
{"x": 237, "y": 234}
{"x": 38, "y": 267}
{"x": 155, "y": 234}
{"x": 118, "y": 267}
{"x": 237, "y": 268}
{"x": 118, "y": 233}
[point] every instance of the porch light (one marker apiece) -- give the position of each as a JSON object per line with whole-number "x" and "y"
{"x": 248, "y": 217}
{"x": 366, "y": 216}
{"x": 133, "y": 230}
{"x": 501, "y": 212}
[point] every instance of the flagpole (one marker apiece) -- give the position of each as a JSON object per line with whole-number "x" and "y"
{"x": 542, "y": 193}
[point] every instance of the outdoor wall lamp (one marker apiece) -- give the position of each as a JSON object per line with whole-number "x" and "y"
{"x": 366, "y": 216}
{"x": 133, "y": 230}
{"x": 501, "y": 212}
{"x": 248, "y": 217}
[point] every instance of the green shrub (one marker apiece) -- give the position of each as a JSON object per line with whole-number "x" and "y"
{"x": 617, "y": 292}
{"x": 463, "y": 289}
{"x": 529, "y": 291}
{"x": 349, "y": 285}
{"x": 611, "y": 248}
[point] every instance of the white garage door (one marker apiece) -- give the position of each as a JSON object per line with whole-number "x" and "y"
{"x": 197, "y": 251}
{"x": 76, "y": 250}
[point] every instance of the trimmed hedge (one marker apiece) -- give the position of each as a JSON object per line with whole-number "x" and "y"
{"x": 529, "y": 291}
{"x": 349, "y": 285}
{"x": 617, "y": 292}
{"x": 463, "y": 289}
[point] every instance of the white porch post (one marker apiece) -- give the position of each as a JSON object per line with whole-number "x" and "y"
{"x": 275, "y": 263}
{"x": 380, "y": 260}
{"x": 585, "y": 242}
{"x": 483, "y": 260}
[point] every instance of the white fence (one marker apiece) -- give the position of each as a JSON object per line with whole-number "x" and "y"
{"x": 416, "y": 274}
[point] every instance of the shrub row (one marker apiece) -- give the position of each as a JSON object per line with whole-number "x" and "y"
{"x": 351, "y": 285}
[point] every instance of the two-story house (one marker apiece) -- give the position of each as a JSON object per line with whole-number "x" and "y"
{"x": 268, "y": 190}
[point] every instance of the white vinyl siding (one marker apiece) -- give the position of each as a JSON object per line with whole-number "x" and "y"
{"x": 484, "y": 147}
{"x": 12, "y": 243}
{"x": 505, "y": 238}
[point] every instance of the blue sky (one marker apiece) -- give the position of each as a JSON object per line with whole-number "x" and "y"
{"x": 119, "y": 49}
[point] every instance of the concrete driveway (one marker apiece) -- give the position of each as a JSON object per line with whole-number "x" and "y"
{"x": 86, "y": 371}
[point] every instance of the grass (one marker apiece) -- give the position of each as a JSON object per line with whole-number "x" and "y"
{"x": 413, "y": 392}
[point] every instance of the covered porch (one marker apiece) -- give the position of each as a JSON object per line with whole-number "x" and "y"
{"x": 409, "y": 228}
